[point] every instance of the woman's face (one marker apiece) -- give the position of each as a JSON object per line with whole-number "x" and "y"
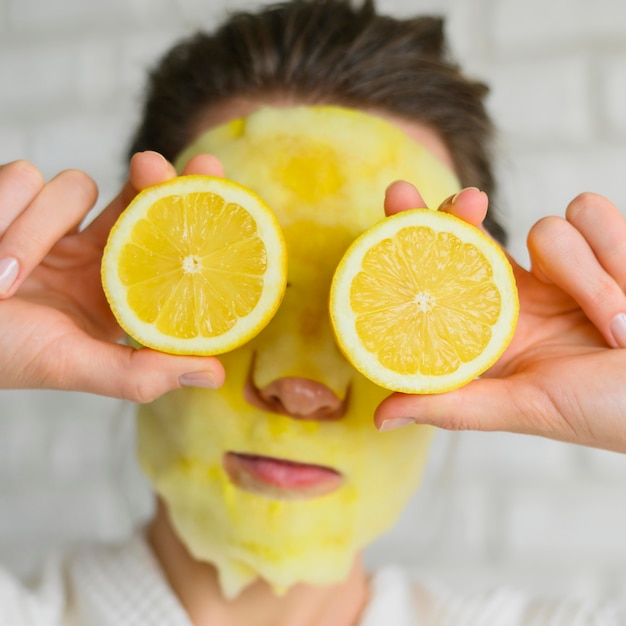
{"x": 281, "y": 473}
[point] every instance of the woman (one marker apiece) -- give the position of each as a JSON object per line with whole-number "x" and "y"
{"x": 560, "y": 377}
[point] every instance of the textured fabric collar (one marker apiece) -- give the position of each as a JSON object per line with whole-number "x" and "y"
{"x": 122, "y": 586}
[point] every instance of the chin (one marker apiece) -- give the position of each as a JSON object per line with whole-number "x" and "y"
{"x": 249, "y": 536}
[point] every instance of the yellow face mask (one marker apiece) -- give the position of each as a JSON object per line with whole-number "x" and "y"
{"x": 251, "y": 489}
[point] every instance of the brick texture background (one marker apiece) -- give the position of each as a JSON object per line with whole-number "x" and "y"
{"x": 495, "y": 508}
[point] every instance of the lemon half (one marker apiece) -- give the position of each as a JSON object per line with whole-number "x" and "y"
{"x": 195, "y": 265}
{"x": 423, "y": 302}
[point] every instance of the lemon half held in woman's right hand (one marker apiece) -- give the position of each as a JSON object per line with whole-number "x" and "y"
{"x": 195, "y": 265}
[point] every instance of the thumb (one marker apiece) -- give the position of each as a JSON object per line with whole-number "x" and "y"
{"x": 485, "y": 404}
{"x": 401, "y": 196}
{"x": 139, "y": 375}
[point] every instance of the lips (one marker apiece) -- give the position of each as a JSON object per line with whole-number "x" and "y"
{"x": 279, "y": 478}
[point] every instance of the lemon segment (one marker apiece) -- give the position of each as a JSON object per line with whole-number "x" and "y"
{"x": 195, "y": 265}
{"x": 423, "y": 302}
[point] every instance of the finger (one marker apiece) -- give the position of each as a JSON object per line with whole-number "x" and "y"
{"x": 561, "y": 255}
{"x": 137, "y": 375}
{"x": 59, "y": 208}
{"x": 149, "y": 168}
{"x": 145, "y": 169}
{"x": 204, "y": 164}
{"x": 402, "y": 196}
{"x": 604, "y": 228}
{"x": 485, "y": 404}
{"x": 20, "y": 183}
{"x": 469, "y": 204}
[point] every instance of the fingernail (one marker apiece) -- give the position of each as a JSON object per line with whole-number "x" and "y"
{"x": 448, "y": 201}
{"x": 9, "y": 269}
{"x": 618, "y": 328}
{"x": 206, "y": 380}
{"x": 454, "y": 197}
{"x": 395, "y": 422}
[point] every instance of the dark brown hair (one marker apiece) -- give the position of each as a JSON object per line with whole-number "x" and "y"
{"x": 323, "y": 51}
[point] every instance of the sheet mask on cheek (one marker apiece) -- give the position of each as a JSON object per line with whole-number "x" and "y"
{"x": 324, "y": 171}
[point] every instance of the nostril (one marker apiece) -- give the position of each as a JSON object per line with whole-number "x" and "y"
{"x": 274, "y": 401}
{"x": 299, "y": 398}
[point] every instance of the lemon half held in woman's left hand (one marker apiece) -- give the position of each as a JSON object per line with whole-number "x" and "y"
{"x": 423, "y": 302}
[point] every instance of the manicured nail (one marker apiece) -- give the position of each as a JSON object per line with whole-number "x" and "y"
{"x": 450, "y": 200}
{"x": 206, "y": 380}
{"x": 9, "y": 269}
{"x": 395, "y": 422}
{"x": 618, "y": 328}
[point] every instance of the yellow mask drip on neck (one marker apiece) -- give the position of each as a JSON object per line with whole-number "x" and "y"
{"x": 324, "y": 171}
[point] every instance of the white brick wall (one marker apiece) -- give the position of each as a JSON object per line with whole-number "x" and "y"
{"x": 495, "y": 507}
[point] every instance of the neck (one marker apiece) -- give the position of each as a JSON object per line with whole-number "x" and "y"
{"x": 196, "y": 585}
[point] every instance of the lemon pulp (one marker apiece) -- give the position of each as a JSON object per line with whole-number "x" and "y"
{"x": 194, "y": 265}
{"x": 424, "y": 302}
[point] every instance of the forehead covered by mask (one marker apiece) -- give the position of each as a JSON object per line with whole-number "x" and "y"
{"x": 258, "y": 482}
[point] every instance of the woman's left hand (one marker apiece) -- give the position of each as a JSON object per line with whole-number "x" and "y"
{"x": 564, "y": 374}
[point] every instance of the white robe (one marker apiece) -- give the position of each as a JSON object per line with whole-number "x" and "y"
{"x": 124, "y": 586}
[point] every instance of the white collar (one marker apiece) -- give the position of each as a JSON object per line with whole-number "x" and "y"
{"x": 123, "y": 586}
{"x": 392, "y": 599}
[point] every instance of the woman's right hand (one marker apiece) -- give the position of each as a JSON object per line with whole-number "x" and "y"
{"x": 56, "y": 328}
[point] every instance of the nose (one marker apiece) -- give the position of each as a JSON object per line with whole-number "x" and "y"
{"x": 299, "y": 398}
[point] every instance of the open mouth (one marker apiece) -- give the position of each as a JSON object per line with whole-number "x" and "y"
{"x": 279, "y": 478}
